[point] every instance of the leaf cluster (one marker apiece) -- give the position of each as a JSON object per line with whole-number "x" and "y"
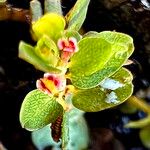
{"x": 96, "y": 71}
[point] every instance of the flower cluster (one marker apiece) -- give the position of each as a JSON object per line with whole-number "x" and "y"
{"x": 52, "y": 84}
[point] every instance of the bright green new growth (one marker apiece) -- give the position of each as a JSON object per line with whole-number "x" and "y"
{"x": 27, "y": 53}
{"x": 93, "y": 65}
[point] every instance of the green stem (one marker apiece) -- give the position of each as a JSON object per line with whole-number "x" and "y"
{"x": 139, "y": 104}
{"x": 65, "y": 130}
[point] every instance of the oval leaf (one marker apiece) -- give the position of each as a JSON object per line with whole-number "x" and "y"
{"x": 38, "y": 110}
{"x": 90, "y": 81}
{"x": 122, "y": 46}
{"x": 119, "y": 39}
{"x": 50, "y": 24}
{"x": 92, "y": 56}
{"x": 27, "y": 53}
{"x": 97, "y": 99}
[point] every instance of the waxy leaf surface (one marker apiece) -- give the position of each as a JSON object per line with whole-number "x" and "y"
{"x": 38, "y": 110}
{"x": 122, "y": 48}
{"x": 77, "y": 14}
{"x": 92, "y": 56}
{"x": 94, "y": 99}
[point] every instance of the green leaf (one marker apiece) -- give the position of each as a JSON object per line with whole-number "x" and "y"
{"x": 50, "y": 24}
{"x": 118, "y": 38}
{"x": 47, "y": 50}
{"x": 123, "y": 75}
{"x": 27, "y": 53}
{"x": 77, "y": 15}
{"x": 145, "y": 136}
{"x": 91, "y": 34}
{"x": 52, "y": 6}
{"x": 92, "y": 56}
{"x": 42, "y": 138}
{"x": 85, "y": 82}
{"x": 96, "y": 99}
{"x": 139, "y": 123}
{"x": 122, "y": 48}
{"x": 36, "y": 10}
{"x": 71, "y": 33}
{"x": 78, "y": 131}
{"x": 38, "y": 110}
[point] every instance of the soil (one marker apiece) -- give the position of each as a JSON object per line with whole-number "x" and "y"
{"x": 17, "y": 77}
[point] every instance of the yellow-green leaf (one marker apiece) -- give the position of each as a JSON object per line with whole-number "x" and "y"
{"x": 50, "y": 24}
{"x": 97, "y": 99}
{"x": 122, "y": 47}
{"x": 77, "y": 15}
{"x": 92, "y": 56}
{"x": 47, "y": 50}
{"x": 27, "y": 53}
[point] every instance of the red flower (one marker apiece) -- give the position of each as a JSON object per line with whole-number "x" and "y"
{"x": 51, "y": 83}
{"x": 68, "y": 47}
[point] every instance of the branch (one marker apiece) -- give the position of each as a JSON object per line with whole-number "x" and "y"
{"x": 7, "y": 12}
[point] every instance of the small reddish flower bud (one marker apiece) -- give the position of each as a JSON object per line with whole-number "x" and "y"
{"x": 68, "y": 47}
{"x": 51, "y": 83}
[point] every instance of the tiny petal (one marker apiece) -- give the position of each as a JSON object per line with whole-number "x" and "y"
{"x": 73, "y": 44}
{"x": 47, "y": 92}
{"x": 61, "y": 44}
{"x": 73, "y": 40}
{"x": 39, "y": 84}
{"x": 68, "y": 45}
{"x": 58, "y": 80}
{"x": 48, "y": 75}
{"x": 68, "y": 49}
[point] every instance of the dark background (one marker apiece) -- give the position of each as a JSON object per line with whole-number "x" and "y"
{"x": 17, "y": 77}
